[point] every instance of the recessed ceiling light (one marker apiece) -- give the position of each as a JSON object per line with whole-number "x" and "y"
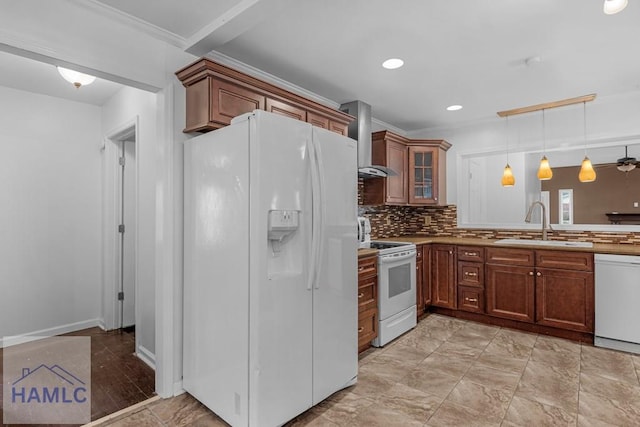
{"x": 454, "y": 107}
{"x": 393, "y": 63}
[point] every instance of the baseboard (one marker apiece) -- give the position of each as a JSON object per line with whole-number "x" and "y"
{"x": 49, "y": 332}
{"x": 146, "y": 356}
{"x": 177, "y": 388}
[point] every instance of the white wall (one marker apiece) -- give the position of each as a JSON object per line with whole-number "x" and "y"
{"x": 128, "y": 105}
{"x": 50, "y": 217}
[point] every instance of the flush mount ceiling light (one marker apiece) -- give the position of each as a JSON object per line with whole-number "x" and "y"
{"x": 614, "y": 6}
{"x": 454, "y": 107}
{"x": 393, "y": 63}
{"x": 75, "y": 78}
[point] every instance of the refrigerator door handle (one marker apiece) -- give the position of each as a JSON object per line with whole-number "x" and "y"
{"x": 321, "y": 212}
{"x": 315, "y": 190}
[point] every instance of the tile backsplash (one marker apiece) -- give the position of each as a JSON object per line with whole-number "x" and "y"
{"x": 441, "y": 221}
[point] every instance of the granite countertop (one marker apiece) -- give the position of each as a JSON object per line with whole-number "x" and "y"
{"x": 364, "y": 252}
{"x": 601, "y": 248}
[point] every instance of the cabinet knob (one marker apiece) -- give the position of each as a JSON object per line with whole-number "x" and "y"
{"x": 360, "y": 268}
{"x": 450, "y": 252}
{"x": 360, "y": 329}
{"x": 361, "y": 294}
{"x": 538, "y": 274}
{"x": 531, "y": 273}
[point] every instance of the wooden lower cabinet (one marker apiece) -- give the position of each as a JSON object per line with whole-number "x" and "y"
{"x": 443, "y": 276}
{"x": 565, "y": 299}
{"x": 426, "y": 276}
{"x": 510, "y": 292}
{"x": 419, "y": 291}
{"x": 367, "y": 301}
{"x": 543, "y": 291}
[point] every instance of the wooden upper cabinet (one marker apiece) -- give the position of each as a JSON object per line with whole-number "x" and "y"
{"x": 420, "y": 167}
{"x": 318, "y": 120}
{"x": 424, "y": 185}
{"x": 215, "y": 94}
{"x": 284, "y": 109}
{"x": 325, "y": 122}
{"x": 428, "y": 171}
{"x": 229, "y": 101}
{"x": 387, "y": 150}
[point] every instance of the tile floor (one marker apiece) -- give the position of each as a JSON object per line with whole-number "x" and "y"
{"x": 449, "y": 372}
{"x": 118, "y": 378}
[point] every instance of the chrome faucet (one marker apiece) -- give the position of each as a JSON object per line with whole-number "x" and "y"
{"x": 544, "y": 217}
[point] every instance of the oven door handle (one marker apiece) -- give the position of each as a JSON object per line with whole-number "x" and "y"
{"x": 388, "y": 259}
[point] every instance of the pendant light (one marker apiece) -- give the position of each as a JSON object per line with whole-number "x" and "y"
{"x": 508, "y": 179}
{"x": 587, "y": 173}
{"x": 544, "y": 171}
{"x": 614, "y": 6}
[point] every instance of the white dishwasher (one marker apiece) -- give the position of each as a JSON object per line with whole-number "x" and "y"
{"x": 617, "y": 282}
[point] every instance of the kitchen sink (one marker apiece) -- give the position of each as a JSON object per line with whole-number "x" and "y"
{"x": 544, "y": 243}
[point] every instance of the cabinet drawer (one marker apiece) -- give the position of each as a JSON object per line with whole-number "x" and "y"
{"x": 367, "y": 328}
{"x": 580, "y": 261}
{"x": 510, "y": 256}
{"x": 367, "y": 267}
{"x": 470, "y": 253}
{"x": 471, "y": 299}
{"x": 367, "y": 294}
{"x": 471, "y": 273}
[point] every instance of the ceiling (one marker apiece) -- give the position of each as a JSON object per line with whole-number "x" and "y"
{"x": 468, "y": 52}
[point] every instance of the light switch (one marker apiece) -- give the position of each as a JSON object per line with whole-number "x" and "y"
{"x": 635, "y": 204}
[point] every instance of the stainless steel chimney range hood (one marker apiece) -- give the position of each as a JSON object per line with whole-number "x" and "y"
{"x": 360, "y": 130}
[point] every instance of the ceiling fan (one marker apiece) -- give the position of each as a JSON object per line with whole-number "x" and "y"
{"x": 626, "y": 163}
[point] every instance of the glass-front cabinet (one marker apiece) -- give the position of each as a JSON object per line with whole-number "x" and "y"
{"x": 423, "y": 178}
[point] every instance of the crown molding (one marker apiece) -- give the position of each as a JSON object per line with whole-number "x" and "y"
{"x": 270, "y": 78}
{"x": 132, "y": 22}
{"x": 277, "y": 81}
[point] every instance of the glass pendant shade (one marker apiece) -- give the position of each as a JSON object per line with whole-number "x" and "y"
{"x": 76, "y": 78}
{"x": 587, "y": 173}
{"x": 614, "y": 6}
{"x": 507, "y": 177}
{"x": 544, "y": 172}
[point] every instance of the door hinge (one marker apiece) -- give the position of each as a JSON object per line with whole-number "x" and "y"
{"x": 120, "y": 296}
{"x": 121, "y": 228}
{"x": 121, "y": 161}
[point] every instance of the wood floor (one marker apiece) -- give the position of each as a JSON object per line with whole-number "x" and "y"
{"x": 118, "y": 378}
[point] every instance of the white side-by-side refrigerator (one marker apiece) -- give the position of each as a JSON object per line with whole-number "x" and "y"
{"x": 270, "y": 271}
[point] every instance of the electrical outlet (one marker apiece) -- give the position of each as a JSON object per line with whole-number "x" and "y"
{"x": 635, "y": 204}
{"x": 427, "y": 220}
{"x": 388, "y": 221}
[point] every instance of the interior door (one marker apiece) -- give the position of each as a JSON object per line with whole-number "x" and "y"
{"x": 128, "y": 317}
{"x": 335, "y": 305}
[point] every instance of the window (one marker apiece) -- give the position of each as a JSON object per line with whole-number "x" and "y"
{"x": 565, "y": 204}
